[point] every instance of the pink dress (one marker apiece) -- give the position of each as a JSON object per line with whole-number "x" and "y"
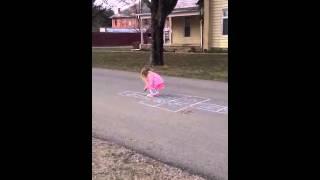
{"x": 154, "y": 81}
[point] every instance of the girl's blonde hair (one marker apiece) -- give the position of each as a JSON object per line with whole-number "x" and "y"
{"x": 144, "y": 71}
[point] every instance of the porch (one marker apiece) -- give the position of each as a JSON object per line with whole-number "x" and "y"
{"x": 183, "y": 30}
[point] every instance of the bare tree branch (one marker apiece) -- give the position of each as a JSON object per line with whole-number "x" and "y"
{"x": 126, "y": 2}
{"x": 170, "y": 5}
{"x": 147, "y": 2}
{"x": 107, "y": 4}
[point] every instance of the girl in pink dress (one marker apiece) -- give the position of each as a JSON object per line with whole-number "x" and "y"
{"x": 153, "y": 81}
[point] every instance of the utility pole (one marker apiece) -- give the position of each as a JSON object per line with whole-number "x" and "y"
{"x": 140, "y": 22}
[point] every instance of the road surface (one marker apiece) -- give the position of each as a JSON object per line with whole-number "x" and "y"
{"x": 186, "y": 131}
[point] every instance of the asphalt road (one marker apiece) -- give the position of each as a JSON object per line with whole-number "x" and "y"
{"x": 193, "y": 139}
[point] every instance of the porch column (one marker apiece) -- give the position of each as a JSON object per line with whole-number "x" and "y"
{"x": 164, "y": 36}
{"x": 206, "y": 27}
{"x": 201, "y": 35}
{"x": 170, "y": 30}
{"x": 141, "y": 33}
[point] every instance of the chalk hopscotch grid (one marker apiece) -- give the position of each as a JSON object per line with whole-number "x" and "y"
{"x": 212, "y": 107}
{"x": 142, "y": 96}
{"x": 200, "y": 105}
{"x": 175, "y": 102}
{"x": 191, "y": 105}
{"x": 169, "y": 102}
{"x": 157, "y": 106}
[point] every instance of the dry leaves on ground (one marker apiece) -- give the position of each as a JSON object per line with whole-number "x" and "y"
{"x": 113, "y": 162}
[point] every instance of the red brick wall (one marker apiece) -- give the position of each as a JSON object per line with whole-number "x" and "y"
{"x": 125, "y": 23}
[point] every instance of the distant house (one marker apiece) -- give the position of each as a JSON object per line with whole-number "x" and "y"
{"x": 125, "y": 20}
{"x": 186, "y": 27}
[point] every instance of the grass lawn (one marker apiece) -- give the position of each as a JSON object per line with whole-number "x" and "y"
{"x": 198, "y": 66}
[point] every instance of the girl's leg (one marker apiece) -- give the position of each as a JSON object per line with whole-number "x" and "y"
{"x": 153, "y": 92}
{"x": 156, "y": 92}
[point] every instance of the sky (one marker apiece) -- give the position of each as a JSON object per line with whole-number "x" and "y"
{"x": 115, "y": 4}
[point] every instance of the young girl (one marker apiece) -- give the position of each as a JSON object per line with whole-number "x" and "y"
{"x": 153, "y": 81}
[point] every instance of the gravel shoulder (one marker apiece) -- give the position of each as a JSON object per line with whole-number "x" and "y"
{"x": 111, "y": 161}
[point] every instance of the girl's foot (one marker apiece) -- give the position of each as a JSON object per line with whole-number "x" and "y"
{"x": 150, "y": 95}
{"x": 153, "y": 93}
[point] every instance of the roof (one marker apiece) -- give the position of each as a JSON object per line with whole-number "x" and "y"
{"x": 186, "y": 4}
{"x": 122, "y": 16}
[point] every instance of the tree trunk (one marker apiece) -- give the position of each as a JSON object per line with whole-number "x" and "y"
{"x": 157, "y": 46}
{"x": 157, "y": 41}
{"x": 160, "y": 9}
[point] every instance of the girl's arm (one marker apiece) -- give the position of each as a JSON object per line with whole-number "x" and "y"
{"x": 145, "y": 82}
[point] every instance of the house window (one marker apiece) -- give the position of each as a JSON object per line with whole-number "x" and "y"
{"x": 187, "y": 27}
{"x": 115, "y": 22}
{"x": 225, "y": 22}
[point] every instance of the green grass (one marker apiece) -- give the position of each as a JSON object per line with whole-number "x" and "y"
{"x": 198, "y": 66}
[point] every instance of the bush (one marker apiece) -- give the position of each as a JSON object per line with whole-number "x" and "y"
{"x": 218, "y": 50}
{"x": 135, "y": 45}
{"x": 192, "y": 49}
